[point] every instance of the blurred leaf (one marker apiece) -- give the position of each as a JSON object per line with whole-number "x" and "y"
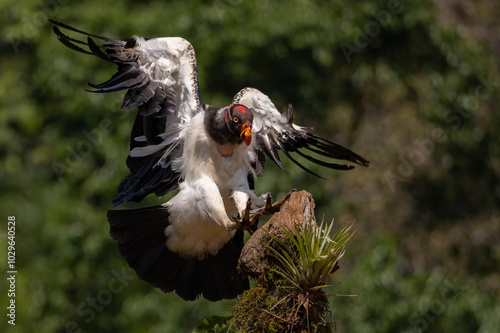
{"x": 214, "y": 324}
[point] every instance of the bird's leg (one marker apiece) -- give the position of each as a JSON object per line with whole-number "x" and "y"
{"x": 246, "y": 221}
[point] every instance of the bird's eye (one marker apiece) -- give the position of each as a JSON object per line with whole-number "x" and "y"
{"x": 236, "y": 120}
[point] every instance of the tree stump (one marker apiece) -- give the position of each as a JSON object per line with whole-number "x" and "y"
{"x": 292, "y": 215}
{"x": 290, "y": 271}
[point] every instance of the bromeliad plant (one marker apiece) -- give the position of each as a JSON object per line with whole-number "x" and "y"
{"x": 306, "y": 259}
{"x": 310, "y": 255}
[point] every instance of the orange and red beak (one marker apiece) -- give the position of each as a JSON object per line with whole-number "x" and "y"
{"x": 246, "y": 134}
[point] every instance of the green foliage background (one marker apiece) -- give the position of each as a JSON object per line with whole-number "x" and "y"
{"x": 416, "y": 94}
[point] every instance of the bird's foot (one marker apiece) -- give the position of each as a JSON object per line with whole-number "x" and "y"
{"x": 246, "y": 221}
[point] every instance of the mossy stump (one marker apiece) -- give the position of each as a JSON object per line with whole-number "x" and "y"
{"x": 274, "y": 304}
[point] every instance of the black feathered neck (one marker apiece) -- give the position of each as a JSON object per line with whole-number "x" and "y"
{"x": 217, "y": 128}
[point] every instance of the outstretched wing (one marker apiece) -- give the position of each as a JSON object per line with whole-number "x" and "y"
{"x": 161, "y": 80}
{"x": 273, "y": 131}
{"x": 159, "y": 73}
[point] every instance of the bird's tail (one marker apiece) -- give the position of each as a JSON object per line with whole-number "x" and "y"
{"x": 141, "y": 240}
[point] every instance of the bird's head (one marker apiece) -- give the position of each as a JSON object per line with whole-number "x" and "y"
{"x": 238, "y": 120}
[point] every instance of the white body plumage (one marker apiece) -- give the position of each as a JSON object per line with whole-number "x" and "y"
{"x": 214, "y": 188}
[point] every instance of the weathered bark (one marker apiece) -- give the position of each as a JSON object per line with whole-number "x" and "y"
{"x": 298, "y": 209}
